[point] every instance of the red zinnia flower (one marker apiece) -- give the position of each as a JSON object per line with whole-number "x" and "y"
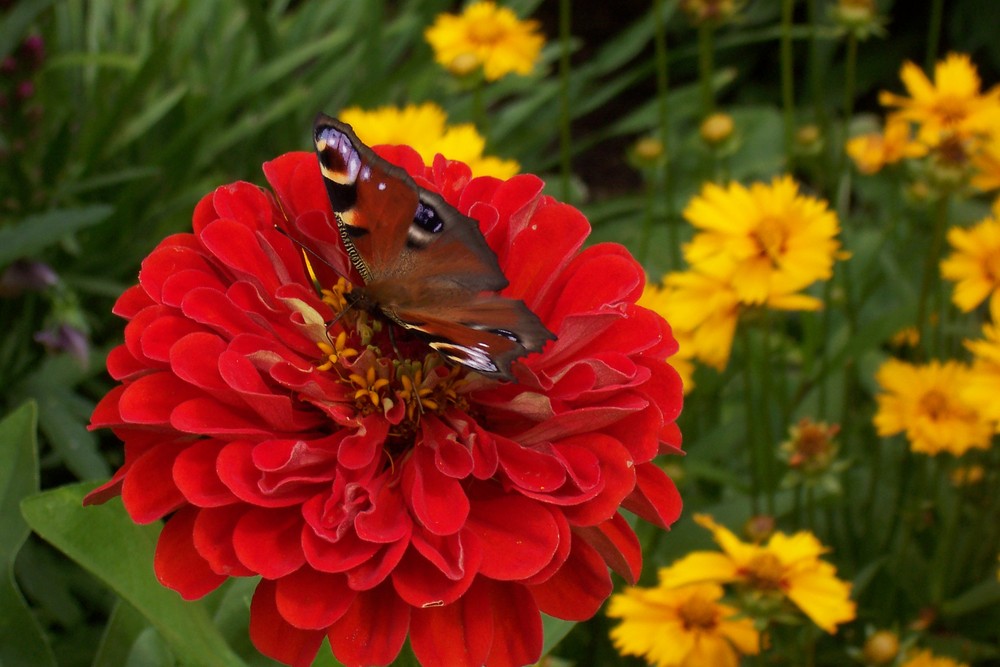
{"x": 378, "y": 496}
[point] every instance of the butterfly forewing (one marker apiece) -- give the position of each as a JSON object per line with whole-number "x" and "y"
{"x": 426, "y": 266}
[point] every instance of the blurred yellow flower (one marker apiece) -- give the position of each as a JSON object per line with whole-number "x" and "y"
{"x": 769, "y": 239}
{"x": 986, "y": 163}
{"x": 716, "y": 128}
{"x": 425, "y": 128}
{"x": 953, "y": 103}
{"x": 786, "y": 567}
{"x": 925, "y": 402}
{"x": 485, "y": 35}
{"x": 928, "y": 659}
{"x": 974, "y": 264}
{"x": 871, "y": 152}
{"x": 710, "y": 11}
{"x": 681, "y": 627}
{"x": 982, "y": 386}
{"x": 653, "y": 298}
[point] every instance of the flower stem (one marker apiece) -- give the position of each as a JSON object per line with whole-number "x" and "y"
{"x": 751, "y": 421}
{"x": 931, "y": 266}
{"x": 662, "y": 86}
{"x": 565, "y": 137}
{"x": 706, "y": 66}
{"x": 787, "y": 79}
{"x": 934, "y": 34}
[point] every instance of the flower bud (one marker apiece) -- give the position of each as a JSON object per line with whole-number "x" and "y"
{"x": 881, "y": 648}
{"x": 716, "y": 128}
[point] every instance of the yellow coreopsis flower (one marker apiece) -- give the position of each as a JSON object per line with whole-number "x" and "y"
{"x": 681, "y": 627}
{"x": 974, "y": 264}
{"x": 928, "y": 659}
{"x": 769, "y": 239}
{"x": 871, "y": 152}
{"x": 952, "y": 103}
{"x": 488, "y": 36}
{"x": 425, "y": 128}
{"x": 925, "y": 402}
{"x": 786, "y": 567}
{"x": 982, "y": 386}
{"x": 653, "y": 298}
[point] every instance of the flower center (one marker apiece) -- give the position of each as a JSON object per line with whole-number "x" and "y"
{"x": 934, "y": 404}
{"x": 485, "y": 32}
{"x": 770, "y": 238}
{"x": 764, "y": 572}
{"x": 394, "y": 374}
{"x": 698, "y": 614}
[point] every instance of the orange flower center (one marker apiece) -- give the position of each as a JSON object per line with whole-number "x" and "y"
{"x": 698, "y": 614}
{"x": 485, "y": 32}
{"x": 934, "y": 404}
{"x": 764, "y": 572}
{"x": 770, "y": 238}
{"x": 379, "y": 369}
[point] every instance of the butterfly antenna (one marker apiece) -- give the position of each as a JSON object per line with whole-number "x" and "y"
{"x": 306, "y": 249}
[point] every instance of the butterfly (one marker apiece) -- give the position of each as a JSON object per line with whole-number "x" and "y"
{"x": 426, "y": 267}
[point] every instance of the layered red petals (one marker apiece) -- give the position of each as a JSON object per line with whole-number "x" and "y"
{"x": 366, "y": 519}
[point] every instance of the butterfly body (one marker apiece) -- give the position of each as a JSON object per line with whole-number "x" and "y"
{"x": 425, "y": 266}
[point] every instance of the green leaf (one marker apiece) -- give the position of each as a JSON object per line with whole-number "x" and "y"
{"x": 35, "y": 233}
{"x": 554, "y": 630}
{"x": 105, "y": 542}
{"x": 122, "y": 631}
{"x": 980, "y": 596}
{"x": 21, "y": 640}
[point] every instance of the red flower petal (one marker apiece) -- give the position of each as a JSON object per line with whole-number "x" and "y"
{"x": 578, "y": 589}
{"x": 517, "y": 627}
{"x": 655, "y": 497}
{"x": 194, "y": 473}
{"x": 313, "y": 600}
{"x": 212, "y": 535}
{"x": 268, "y": 541}
{"x": 274, "y": 636}
{"x": 617, "y": 544}
{"x": 521, "y": 534}
{"x": 373, "y": 629}
{"x": 178, "y": 564}
{"x": 455, "y": 635}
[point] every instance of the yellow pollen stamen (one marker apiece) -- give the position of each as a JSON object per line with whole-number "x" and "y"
{"x": 765, "y": 572}
{"x": 698, "y": 613}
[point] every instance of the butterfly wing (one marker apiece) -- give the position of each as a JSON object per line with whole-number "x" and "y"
{"x": 425, "y": 265}
{"x": 389, "y": 224}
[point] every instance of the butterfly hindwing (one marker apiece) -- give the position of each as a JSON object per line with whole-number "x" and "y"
{"x": 425, "y": 266}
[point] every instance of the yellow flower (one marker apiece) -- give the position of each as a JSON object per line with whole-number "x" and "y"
{"x": 986, "y": 164}
{"x": 974, "y": 264}
{"x": 925, "y": 402}
{"x": 685, "y": 627}
{"x": 928, "y": 659}
{"x": 487, "y": 36}
{"x": 786, "y": 567}
{"x": 982, "y": 386}
{"x": 871, "y": 152}
{"x": 653, "y": 298}
{"x": 953, "y": 103}
{"x": 425, "y": 128}
{"x": 768, "y": 239}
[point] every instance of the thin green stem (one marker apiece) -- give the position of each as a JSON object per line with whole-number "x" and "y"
{"x": 931, "y": 266}
{"x": 850, "y": 78}
{"x": 946, "y": 543}
{"x": 706, "y": 66}
{"x": 565, "y": 136}
{"x": 787, "y": 78}
{"x": 662, "y": 87}
{"x": 751, "y": 420}
{"x": 767, "y": 432}
{"x": 934, "y": 34}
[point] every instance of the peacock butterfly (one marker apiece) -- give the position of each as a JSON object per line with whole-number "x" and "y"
{"x": 426, "y": 267}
